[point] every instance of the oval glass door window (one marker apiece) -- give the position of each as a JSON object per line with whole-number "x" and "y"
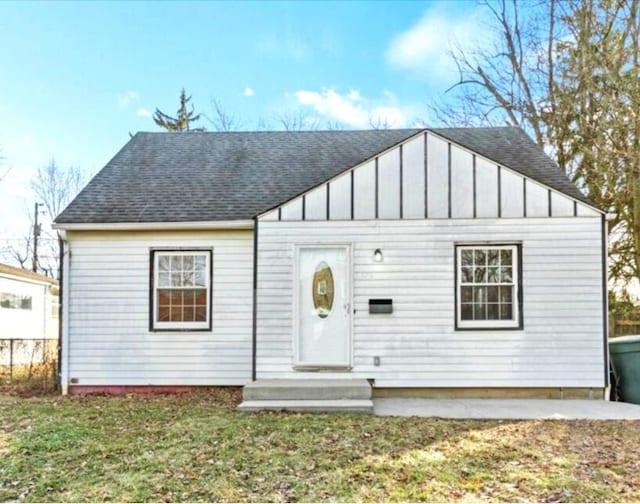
{"x": 323, "y": 289}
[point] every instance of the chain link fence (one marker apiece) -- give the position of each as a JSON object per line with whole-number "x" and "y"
{"x": 29, "y": 362}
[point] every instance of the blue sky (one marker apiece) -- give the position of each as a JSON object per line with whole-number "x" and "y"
{"x": 78, "y": 77}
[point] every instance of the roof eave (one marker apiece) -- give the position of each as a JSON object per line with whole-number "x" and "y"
{"x": 154, "y": 226}
{"x": 28, "y": 277}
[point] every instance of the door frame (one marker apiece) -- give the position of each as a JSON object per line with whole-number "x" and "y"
{"x": 297, "y": 363}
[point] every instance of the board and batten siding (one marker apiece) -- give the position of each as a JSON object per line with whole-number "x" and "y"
{"x": 561, "y": 344}
{"x": 109, "y": 341}
{"x": 428, "y": 176}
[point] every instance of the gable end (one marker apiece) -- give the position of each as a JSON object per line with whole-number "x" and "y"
{"x": 430, "y": 176}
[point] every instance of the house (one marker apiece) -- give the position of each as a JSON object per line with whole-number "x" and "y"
{"x": 435, "y": 261}
{"x": 28, "y": 316}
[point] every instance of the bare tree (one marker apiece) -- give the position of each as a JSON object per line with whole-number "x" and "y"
{"x": 333, "y": 126}
{"x": 221, "y": 120}
{"x": 263, "y": 125}
{"x": 288, "y": 120}
{"x": 20, "y": 250}
{"x": 54, "y": 188}
{"x": 509, "y": 81}
{"x": 297, "y": 120}
{"x": 379, "y": 122}
{"x": 567, "y": 72}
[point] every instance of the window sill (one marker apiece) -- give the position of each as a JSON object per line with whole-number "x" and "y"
{"x": 519, "y": 327}
{"x": 180, "y": 329}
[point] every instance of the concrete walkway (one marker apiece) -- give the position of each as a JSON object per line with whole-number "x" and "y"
{"x": 512, "y": 409}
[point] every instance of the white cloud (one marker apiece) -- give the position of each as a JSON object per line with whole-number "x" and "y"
{"x": 143, "y": 112}
{"x": 248, "y": 91}
{"x": 425, "y": 47}
{"x": 127, "y": 98}
{"x": 353, "y": 109}
{"x": 330, "y": 104}
{"x": 354, "y": 95}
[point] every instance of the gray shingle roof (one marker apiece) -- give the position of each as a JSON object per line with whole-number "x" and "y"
{"x": 183, "y": 177}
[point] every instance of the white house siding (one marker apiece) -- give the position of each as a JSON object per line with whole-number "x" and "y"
{"x": 389, "y": 185}
{"x": 561, "y": 344}
{"x": 51, "y": 313}
{"x": 340, "y": 200}
{"x": 109, "y": 339}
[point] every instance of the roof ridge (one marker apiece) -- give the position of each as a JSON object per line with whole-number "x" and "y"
{"x": 282, "y": 132}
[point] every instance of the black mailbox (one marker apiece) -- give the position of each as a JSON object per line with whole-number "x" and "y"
{"x": 381, "y": 306}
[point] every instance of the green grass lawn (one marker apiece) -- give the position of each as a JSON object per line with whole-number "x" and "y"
{"x": 196, "y": 447}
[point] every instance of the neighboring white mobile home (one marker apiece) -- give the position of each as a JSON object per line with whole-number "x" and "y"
{"x": 437, "y": 260}
{"x": 28, "y": 316}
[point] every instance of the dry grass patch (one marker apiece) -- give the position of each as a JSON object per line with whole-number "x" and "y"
{"x": 29, "y": 379}
{"x": 196, "y": 447}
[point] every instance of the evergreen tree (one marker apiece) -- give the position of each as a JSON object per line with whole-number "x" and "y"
{"x": 180, "y": 123}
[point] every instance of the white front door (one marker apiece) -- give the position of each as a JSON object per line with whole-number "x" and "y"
{"x": 323, "y": 336}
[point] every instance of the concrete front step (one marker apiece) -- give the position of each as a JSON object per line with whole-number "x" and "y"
{"x": 307, "y": 390}
{"x": 310, "y": 406}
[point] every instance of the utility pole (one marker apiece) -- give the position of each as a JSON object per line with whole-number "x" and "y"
{"x": 36, "y": 234}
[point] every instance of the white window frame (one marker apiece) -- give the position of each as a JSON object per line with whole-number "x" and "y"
{"x": 157, "y": 325}
{"x": 515, "y": 322}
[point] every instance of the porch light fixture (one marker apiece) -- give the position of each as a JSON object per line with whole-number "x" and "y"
{"x": 377, "y": 255}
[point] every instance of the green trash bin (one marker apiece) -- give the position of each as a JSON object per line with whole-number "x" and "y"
{"x": 625, "y": 356}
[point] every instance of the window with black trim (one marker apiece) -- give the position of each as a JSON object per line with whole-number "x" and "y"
{"x": 487, "y": 286}
{"x": 181, "y": 290}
